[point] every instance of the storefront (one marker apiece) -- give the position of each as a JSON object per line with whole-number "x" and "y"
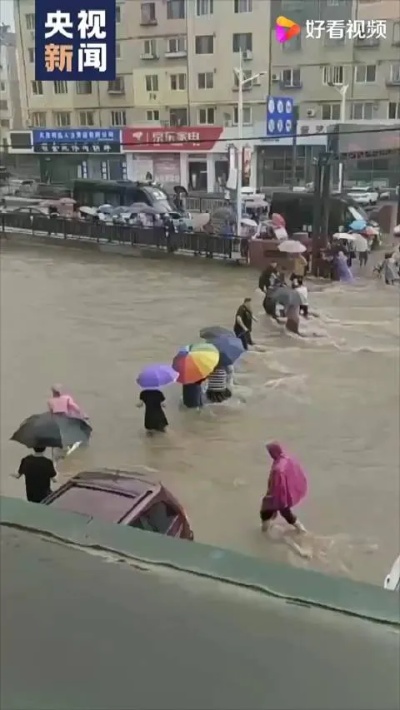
{"x": 173, "y": 157}
{"x": 60, "y": 156}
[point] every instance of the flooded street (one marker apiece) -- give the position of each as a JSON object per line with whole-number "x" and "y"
{"x": 92, "y": 321}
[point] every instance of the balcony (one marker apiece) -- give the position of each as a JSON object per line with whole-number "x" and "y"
{"x": 245, "y": 87}
{"x": 149, "y": 56}
{"x": 290, "y": 86}
{"x": 395, "y": 81}
{"x": 176, "y": 55}
{"x": 148, "y": 21}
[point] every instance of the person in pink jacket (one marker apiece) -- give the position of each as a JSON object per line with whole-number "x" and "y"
{"x": 287, "y": 486}
{"x": 62, "y": 403}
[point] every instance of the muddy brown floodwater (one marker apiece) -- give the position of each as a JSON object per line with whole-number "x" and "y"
{"x": 92, "y": 321}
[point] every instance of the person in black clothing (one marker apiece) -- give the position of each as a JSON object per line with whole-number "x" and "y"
{"x": 154, "y": 417}
{"x": 39, "y": 471}
{"x": 268, "y": 277}
{"x": 244, "y": 322}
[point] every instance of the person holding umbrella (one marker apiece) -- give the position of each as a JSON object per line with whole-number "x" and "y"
{"x": 194, "y": 364}
{"x": 39, "y": 472}
{"x": 230, "y": 349}
{"x": 151, "y": 379}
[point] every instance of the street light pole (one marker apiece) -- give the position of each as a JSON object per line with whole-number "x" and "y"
{"x": 241, "y": 82}
{"x": 239, "y": 150}
{"x": 342, "y": 91}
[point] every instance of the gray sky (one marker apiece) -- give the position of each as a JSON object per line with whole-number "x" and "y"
{"x": 6, "y": 12}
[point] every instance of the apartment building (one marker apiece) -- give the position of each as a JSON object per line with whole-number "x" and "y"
{"x": 10, "y": 103}
{"x": 176, "y": 67}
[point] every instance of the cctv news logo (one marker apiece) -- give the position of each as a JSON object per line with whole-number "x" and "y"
{"x": 286, "y": 29}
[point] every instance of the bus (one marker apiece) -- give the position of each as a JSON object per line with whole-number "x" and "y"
{"x": 93, "y": 193}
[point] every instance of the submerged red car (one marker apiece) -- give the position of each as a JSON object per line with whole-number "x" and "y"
{"x": 123, "y": 497}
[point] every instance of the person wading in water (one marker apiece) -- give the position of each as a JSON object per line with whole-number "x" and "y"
{"x": 244, "y": 322}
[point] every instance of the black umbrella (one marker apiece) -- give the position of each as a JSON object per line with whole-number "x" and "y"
{"x": 56, "y": 431}
{"x": 215, "y": 331}
{"x": 285, "y": 296}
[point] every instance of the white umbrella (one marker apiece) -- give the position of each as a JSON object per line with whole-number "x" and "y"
{"x": 291, "y": 246}
{"x": 344, "y": 235}
{"x": 249, "y": 222}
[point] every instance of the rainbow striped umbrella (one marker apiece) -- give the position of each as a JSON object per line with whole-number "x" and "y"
{"x": 195, "y": 362}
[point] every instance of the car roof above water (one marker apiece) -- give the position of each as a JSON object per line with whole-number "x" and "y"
{"x": 130, "y": 483}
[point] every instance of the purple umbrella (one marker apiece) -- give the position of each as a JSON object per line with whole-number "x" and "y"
{"x": 155, "y": 376}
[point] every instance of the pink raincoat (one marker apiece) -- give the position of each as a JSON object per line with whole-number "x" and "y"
{"x": 65, "y": 404}
{"x": 287, "y": 483}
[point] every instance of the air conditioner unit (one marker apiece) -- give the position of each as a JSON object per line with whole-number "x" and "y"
{"x": 247, "y": 55}
{"x": 310, "y": 112}
{"x": 275, "y": 78}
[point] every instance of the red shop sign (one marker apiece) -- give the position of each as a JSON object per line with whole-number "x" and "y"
{"x": 193, "y": 139}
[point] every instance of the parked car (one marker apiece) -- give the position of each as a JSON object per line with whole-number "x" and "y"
{"x": 392, "y": 581}
{"x": 123, "y": 497}
{"x": 365, "y": 196}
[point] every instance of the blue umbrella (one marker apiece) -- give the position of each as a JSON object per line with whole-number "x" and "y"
{"x": 229, "y": 347}
{"x": 155, "y": 376}
{"x": 358, "y": 225}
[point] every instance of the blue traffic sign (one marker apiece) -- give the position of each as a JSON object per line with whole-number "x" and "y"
{"x": 280, "y": 117}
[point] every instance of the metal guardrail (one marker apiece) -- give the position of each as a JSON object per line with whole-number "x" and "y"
{"x": 204, "y": 204}
{"x": 198, "y": 243}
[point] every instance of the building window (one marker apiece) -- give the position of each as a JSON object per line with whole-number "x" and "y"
{"x": 178, "y": 117}
{"x": 204, "y": 7}
{"x": 62, "y": 119}
{"x": 83, "y": 87}
{"x": 242, "y": 6}
{"x": 331, "y": 112}
{"x": 178, "y": 82}
{"x": 2, "y": 85}
{"x": 291, "y": 77}
{"x": 205, "y": 80}
{"x": 118, "y": 13}
{"x": 151, "y": 81}
{"x": 396, "y": 34}
{"x": 365, "y": 73}
{"x": 207, "y": 116}
{"x": 118, "y": 50}
{"x": 153, "y": 116}
{"x": 242, "y": 42}
{"x": 3, "y": 105}
{"x": 175, "y": 9}
{"x": 117, "y": 86}
{"x": 247, "y": 73}
{"x": 38, "y": 119}
{"x": 333, "y": 75}
{"x": 394, "y": 111}
{"x": 362, "y": 111}
{"x": 31, "y": 55}
{"x": 86, "y": 118}
{"x": 118, "y": 118}
{"x": 5, "y": 123}
{"x": 247, "y": 117}
{"x": 176, "y": 45}
{"x": 150, "y": 47}
{"x": 60, "y": 87}
{"x": 204, "y": 44}
{"x": 293, "y": 45}
{"x": 30, "y": 21}
{"x": 395, "y": 73}
{"x": 37, "y": 88}
{"x": 148, "y": 13}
